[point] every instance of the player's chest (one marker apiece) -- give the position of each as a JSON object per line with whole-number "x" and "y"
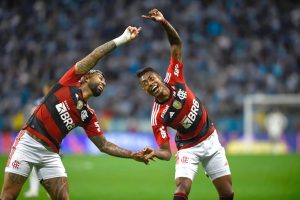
{"x": 73, "y": 108}
{"x": 179, "y": 104}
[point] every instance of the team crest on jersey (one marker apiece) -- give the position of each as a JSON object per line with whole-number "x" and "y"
{"x": 79, "y": 105}
{"x": 176, "y": 104}
{"x": 181, "y": 94}
{"x": 84, "y": 115}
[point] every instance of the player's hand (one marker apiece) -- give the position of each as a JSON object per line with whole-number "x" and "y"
{"x": 149, "y": 153}
{"x": 129, "y": 34}
{"x": 139, "y": 156}
{"x": 154, "y": 15}
{"x": 134, "y": 31}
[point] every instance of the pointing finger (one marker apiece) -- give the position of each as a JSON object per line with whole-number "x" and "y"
{"x": 146, "y": 17}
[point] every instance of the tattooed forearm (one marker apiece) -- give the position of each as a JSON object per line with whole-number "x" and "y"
{"x": 173, "y": 36}
{"x": 110, "y": 148}
{"x": 114, "y": 150}
{"x": 87, "y": 63}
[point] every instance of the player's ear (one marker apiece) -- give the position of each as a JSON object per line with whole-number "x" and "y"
{"x": 140, "y": 82}
{"x": 141, "y": 85}
{"x": 84, "y": 79}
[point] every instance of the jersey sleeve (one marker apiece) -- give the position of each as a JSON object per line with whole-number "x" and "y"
{"x": 160, "y": 132}
{"x": 70, "y": 78}
{"x": 92, "y": 128}
{"x": 174, "y": 72}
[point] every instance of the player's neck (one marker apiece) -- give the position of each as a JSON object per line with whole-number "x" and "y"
{"x": 165, "y": 95}
{"x": 86, "y": 91}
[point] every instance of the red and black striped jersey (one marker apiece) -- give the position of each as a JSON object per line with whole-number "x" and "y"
{"x": 61, "y": 110}
{"x": 183, "y": 111}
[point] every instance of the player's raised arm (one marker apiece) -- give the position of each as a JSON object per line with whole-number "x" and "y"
{"x": 87, "y": 63}
{"x": 174, "y": 39}
{"x": 114, "y": 150}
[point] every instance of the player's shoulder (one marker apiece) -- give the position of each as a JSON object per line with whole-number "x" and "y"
{"x": 38, "y": 101}
{"x": 156, "y": 109}
{"x": 158, "y": 112}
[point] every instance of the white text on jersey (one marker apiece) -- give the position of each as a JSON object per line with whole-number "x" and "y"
{"x": 176, "y": 70}
{"x": 163, "y": 132}
{"x": 62, "y": 109}
{"x": 164, "y": 111}
{"x": 191, "y": 117}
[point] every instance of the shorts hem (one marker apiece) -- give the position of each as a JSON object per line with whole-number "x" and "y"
{"x": 184, "y": 177}
{"x": 219, "y": 174}
{"x": 54, "y": 176}
{"x": 16, "y": 172}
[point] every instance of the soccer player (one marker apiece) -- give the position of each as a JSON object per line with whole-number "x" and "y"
{"x": 176, "y": 106}
{"x": 34, "y": 183}
{"x": 63, "y": 108}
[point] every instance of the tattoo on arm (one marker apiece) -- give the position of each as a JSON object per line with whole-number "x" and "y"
{"x": 173, "y": 36}
{"x": 110, "y": 148}
{"x": 87, "y": 63}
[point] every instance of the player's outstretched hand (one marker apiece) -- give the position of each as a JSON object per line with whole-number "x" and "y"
{"x": 134, "y": 31}
{"x": 154, "y": 15}
{"x": 139, "y": 156}
{"x": 129, "y": 34}
{"x": 149, "y": 153}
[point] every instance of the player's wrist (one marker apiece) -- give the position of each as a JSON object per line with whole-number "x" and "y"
{"x": 154, "y": 152}
{"x": 122, "y": 39}
{"x": 131, "y": 154}
{"x": 164, "y": 21}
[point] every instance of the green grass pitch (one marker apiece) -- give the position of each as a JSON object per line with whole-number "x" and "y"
{"x": 104, "y": 177}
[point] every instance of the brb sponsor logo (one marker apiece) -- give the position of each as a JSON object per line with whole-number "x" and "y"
{"x": 191, "y": 117}
{"x": 62, "y": 109}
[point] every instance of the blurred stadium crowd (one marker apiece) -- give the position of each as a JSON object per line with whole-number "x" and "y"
{"x": 231, "y": 48}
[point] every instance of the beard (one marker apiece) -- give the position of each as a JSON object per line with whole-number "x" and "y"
{"x": 95, "y": 90}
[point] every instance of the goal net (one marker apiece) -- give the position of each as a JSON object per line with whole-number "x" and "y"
{"x": 271, "y": 124}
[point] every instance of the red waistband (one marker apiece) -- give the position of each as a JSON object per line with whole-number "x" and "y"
{"x": 41, "y": 139}
{"x": 200, "y": 140}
